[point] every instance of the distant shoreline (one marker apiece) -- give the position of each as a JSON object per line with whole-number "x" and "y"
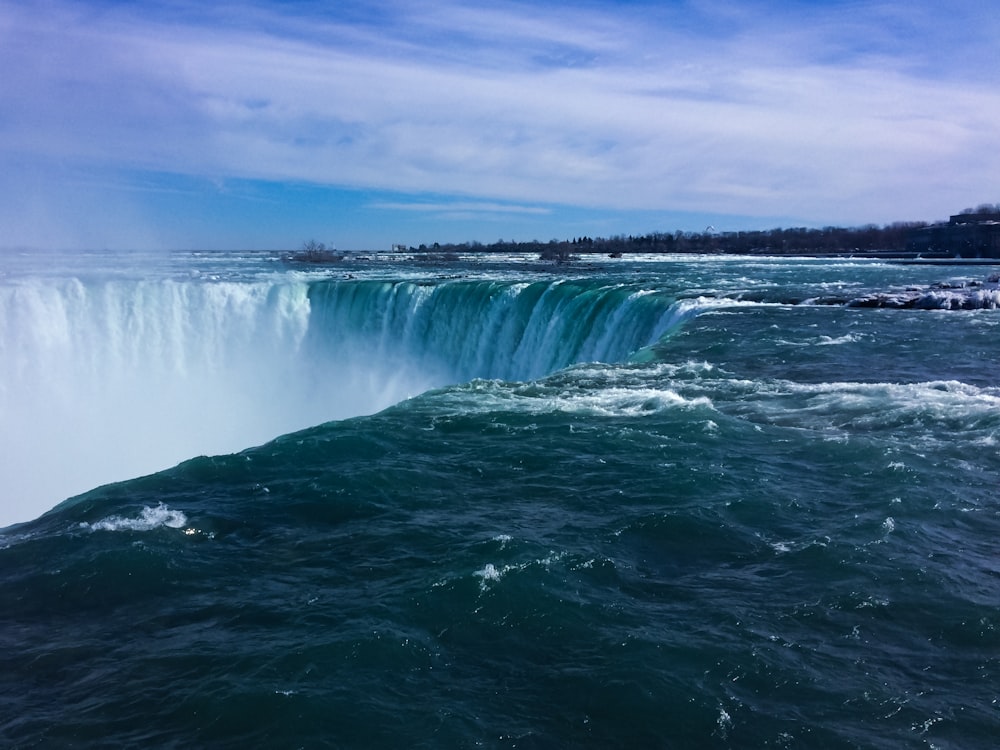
{"x": 455, "y": 255}
{"x": 972, "y": 233}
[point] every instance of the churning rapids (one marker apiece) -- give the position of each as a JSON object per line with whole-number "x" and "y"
{"x": 680, "y": 501}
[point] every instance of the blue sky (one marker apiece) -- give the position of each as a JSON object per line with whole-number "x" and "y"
{"x": 262, "y": 124}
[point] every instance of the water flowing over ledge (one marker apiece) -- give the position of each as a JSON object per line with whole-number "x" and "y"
{"x": 105, "y": 379}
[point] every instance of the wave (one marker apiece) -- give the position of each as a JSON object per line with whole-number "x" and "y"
{"x": 956, "y": 294}
{"x": 938, "y": 413}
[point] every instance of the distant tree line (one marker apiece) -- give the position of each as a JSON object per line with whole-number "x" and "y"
{"x": 983, "y": 209}
{"x": 972, "y": 232}
{"x": 871, "y": 238}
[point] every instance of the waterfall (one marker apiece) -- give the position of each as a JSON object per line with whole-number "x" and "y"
{"x": 105, "y": 379}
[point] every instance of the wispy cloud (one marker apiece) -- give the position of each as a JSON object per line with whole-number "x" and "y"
{"x": 835, "y": 111}
{"x": 464, "y": 206}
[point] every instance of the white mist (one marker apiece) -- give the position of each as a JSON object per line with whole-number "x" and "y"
{"x": 107, "y": 380}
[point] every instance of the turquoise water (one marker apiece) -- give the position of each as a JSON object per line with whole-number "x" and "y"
{"x": 681, "y": 502}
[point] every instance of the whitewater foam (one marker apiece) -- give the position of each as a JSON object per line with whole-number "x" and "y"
{"x": 854, "y": 407}
{"x": 849, "y": 338}
{"x": 147, "y": 520}
{"x": 479, "y": 397}
{"x": 490, "y": 573}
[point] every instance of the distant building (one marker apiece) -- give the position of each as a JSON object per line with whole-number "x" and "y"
{"x": 966, "y": 235}
{"x": 975, "y": 217}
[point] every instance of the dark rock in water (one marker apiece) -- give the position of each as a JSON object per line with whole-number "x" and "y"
{"x": 323, "y": 256}
{"x": 961, "y": 295}
{"x": 314, "y": 252}
{"x": 874, "y": 300}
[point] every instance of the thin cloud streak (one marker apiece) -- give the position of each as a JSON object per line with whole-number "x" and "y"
{"x": 466, "y": 206}
{"x": 588, "y": 108}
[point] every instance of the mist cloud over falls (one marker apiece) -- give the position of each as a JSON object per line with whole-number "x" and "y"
{"x": 109, "y": 380}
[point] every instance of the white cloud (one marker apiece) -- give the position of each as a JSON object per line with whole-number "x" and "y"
{"x": 810, "y": 116}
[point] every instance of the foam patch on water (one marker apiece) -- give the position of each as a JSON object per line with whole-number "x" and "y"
{"x": 9, "y": 541}
{"x": 626, "y": 401}
{"x": 849, "y": 338}
{"x": 541, "y": 398}
{"x": 954, "y": 408}
{"x": 490, "y": 573}
{"x": 703, "y": 304}
{"x": 148, "y": 519}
